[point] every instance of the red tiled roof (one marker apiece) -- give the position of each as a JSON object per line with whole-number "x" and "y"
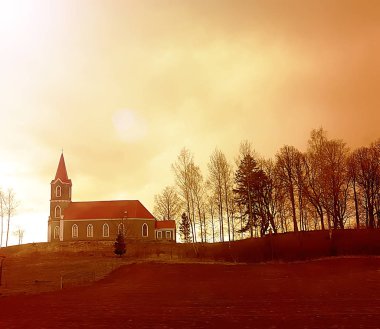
{"x": 160, "y": 224}
{"x": 61, "y": 171}
{"x": 106, "y": 210}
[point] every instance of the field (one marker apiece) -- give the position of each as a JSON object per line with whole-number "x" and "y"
{"x": 167, "y": 291}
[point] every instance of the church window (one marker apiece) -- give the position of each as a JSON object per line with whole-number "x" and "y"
{"x": 74, "y": 231}
{"x": 56, "y": 232}
{"x": 120, "y": 228}
{"x": 145, "y": 230}
{"x": 90, "y": 231}
{"x": 168, "y": 235}
{"x": 57, "y": 212}
{"x": 106, "y": 230}
{"x": 58, "y": 191}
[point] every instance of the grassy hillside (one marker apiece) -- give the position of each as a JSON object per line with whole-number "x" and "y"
{"x": 339, "y": 292}
{"x": 41, "y": 267}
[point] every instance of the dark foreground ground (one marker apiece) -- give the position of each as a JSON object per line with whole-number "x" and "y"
{"x": 329, "y": 293}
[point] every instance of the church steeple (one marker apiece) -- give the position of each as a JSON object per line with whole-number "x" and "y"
{"x": 60, "y": 199}
{"x": 61, "y": 171}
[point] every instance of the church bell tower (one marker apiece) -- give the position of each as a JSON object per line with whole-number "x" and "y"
{"x": 60, "y": 198}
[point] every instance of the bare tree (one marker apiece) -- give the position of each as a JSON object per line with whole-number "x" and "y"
{"x": 10, "y": 205}
{"x": 234, "y": 214}
{"x": 211, "y": 203}
{"x": 271, "y": 196}
{"x": 182, "y": 173}
{"x": 216, "y": 185}
{"x": 376, "y": 147}
{"x": 212, "y": 214}
{"x": 313, "y": 172}
{"x": 19, "y": 233}
{"x": 2, "y": 213}
{"x": 365, "y": 170}
{"x": 353, "y": 168}
{"x": 287, "y": 160}
{"x": 335, "y": 177}
{"x": 198, "y": 191}
{"x": 167, "y": 205}
{"x": 189, "y": 181}
{"x": 221, "y": 183}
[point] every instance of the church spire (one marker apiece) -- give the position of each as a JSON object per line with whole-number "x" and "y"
{"x": 61, "y": 171}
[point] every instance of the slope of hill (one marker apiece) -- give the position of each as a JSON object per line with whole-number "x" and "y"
{"x": 329, "y": 293}
{"x": 42, "y": 267}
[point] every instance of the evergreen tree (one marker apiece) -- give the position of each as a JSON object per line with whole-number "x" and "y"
{"x": 119, "y": 245}
{"x": 184, "y": 228}
{"x": 251, "y": 183}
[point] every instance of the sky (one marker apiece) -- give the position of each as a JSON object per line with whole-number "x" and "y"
{"x": 123, "y": 86}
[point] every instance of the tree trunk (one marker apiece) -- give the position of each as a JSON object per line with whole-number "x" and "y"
{"x": 271, "y": 220}
{"x": 328, "y": 220}
{"x": 295, "y": 225}
{"x": 371, "y": 216}
{"x": 356, "y": 206}
{"x": 233, "y": 226}
{"x": 2, "y": 218}
{"x": 221, "y": 228}
{"x": 320, "y": 213}
{"x": 201, "y": 226}
{"x": 205, "y": 225}
{"x": 241, "y": 226}
{"x": 227, "y": 212}
{"x": 2, "y": 231}
{"x": 228, "y": 224}
{"x": 200, "y": 221}
{"x": 6, "y": 241}
{"x": 212, "y": 224}
{"x": 191, "y": 222}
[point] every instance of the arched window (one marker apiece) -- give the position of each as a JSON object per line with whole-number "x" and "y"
{"x": 90, "y": 231}
{"x": 74, "y": 231}
{"x": 57, "y": 212}
{"x": 56, "y": 232}
{"x": 120, "y": 228}
{"x": 144, "y": 230}
{"x": 106, "y": 230}
{"x": 58, "y": 191}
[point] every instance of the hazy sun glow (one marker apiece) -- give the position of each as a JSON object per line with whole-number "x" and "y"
{"x": 23, "y": 22}
{"x": 15, "y": 16}
{"x": 128, "y": 125}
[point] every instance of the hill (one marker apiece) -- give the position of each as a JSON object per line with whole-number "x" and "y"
{"x": 329, "y": 293}
{"x": 39, "y": 267}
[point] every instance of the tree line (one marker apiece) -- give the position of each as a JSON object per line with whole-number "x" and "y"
{"x": 328, "y": 186}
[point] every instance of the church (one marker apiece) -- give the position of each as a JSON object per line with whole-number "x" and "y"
{"x": 100, "y": 220}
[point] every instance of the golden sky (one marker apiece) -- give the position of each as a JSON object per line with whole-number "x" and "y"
{"x": 122, "y": 86}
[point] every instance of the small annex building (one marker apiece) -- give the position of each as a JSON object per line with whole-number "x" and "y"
{"x": 100, "y": 220}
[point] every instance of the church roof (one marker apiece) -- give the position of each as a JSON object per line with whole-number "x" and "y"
{"x": 61, "y": 171}
{"x": 161, "y": 224}
{"x": 107, "y": 210}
